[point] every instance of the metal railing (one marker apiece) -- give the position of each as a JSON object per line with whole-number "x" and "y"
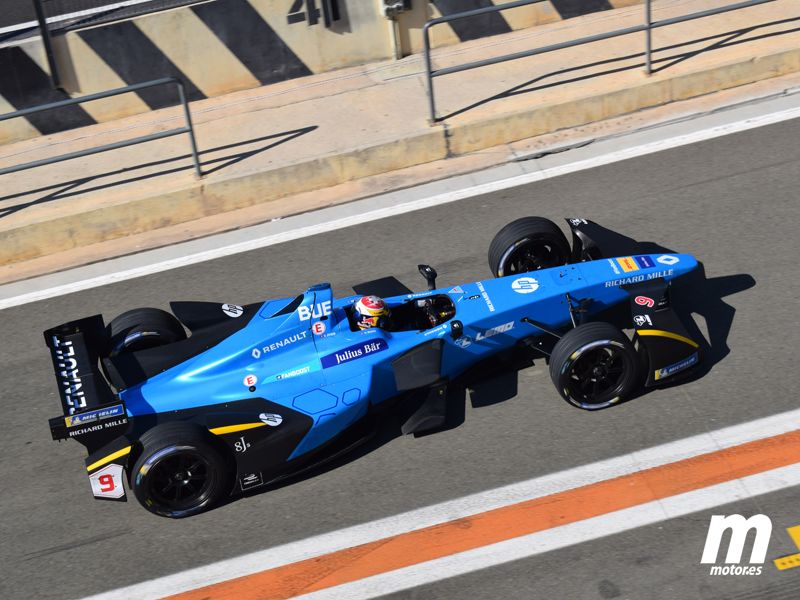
{"x": 646, "y": 27}
{"x": 189, "y": 128}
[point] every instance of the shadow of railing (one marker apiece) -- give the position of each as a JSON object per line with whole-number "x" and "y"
{"x": 76, "y": 187}
{"x": 722, "y": 41}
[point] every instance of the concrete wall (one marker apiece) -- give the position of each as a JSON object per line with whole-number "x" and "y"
{"x": 221, "y": 46}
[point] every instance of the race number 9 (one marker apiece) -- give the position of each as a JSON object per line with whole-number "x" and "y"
{"x": 644, "y": 301}
{"x": 107, "y": 482}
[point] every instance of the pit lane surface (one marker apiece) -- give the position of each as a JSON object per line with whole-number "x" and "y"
{"x": 731, "y": 201}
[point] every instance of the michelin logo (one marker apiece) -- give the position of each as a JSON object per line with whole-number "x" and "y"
{"x": 678, "y": 366}
{"x": 95, "y": 415}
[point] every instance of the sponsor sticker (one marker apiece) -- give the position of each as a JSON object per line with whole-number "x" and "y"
{"x": 354, "y": 352}
{"x": 315, "y": 311}
{"x": 234, "y": 311}
{"x": 464, "y": 341}
{"x": 278, "y": 344}
{"x": 525, "y": 285}
{"x": 485, "y": 295}
{"x": 639, "y": 278}
{"x": 613, "y": 266}
{"x": 436, "y": 330}
{"x": 106, "y": 424}
{"x": 482, "y": 335}
{"x": 644, "y": 261}
{"x": 271, "y": 419}
{"x": 241, "y": 445}
{"x": 668, "y": 260}
{"x": 107, "y": 482}
{"x": 68, "y": 374}
{"x": 293, "y": 373}
{"x": 577, "y": 222}
{"x": 628, "y": 264}
{"x": 456, "y": 290}
{"x": 642, "y": 320}
{"x": 250, "y": 380}
{"x": 318, "y": 328}
{"x": 256, "y": 353}
{"x": 677, "y": 367}
{"x": 251, "y": 480}
{"x": 95, "y": 415}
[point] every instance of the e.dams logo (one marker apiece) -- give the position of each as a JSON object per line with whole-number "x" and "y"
{"x": 739, "y": 529}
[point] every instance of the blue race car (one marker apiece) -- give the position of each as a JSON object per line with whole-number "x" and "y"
{"x": 258, "y": 393}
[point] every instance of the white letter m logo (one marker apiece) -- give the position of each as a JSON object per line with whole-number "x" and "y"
{"x": 739, "y": 527}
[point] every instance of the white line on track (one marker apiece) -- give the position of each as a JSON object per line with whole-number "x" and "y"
{"x": 365, "y": 215}
{"x": 562, "y": 537}
{"x": 503, "y": 496}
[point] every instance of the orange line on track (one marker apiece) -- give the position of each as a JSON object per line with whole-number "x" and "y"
{"x": 508, "y": 522}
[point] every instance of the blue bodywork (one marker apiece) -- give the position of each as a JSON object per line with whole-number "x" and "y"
{"x": 310, "y": 360}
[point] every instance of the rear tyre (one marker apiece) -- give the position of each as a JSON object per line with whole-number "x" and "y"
{"x": 179, "y": 473}
{"x": 528, "y": 244}
{"x": 142, "y": 328}
{"x": 594, "y": 366}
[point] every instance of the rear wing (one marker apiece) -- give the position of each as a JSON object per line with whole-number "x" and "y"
{"x": 87, "y": 402}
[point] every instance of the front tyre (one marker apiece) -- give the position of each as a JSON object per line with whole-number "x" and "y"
{"x": 594, "y": 366}
{"x": 179, "y": 473}
{"x": 528, "y": 244}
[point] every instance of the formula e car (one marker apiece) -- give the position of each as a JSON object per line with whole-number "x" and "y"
{"x": 258, "y": 393}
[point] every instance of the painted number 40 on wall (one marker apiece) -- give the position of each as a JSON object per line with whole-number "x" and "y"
{"x": 309, "y": 11}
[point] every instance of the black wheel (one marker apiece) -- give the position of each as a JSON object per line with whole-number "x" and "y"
{"x": 594, "y": 366}
{"x": 528, "y": 244}
{"x": 179, "y": 473}
{"x": 142, "y": 328}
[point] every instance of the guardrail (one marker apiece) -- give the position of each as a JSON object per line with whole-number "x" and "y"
{"x": 646, "y": 27}
{"x": 189, "y": 128}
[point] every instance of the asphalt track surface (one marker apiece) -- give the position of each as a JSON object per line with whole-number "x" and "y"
{"x": 731, "y": 201}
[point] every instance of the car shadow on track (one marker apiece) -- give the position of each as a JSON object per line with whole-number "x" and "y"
{"x": 692, "y": 294}
{"x": 489, "y": 385}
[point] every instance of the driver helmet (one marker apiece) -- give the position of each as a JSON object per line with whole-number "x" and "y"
{"x": 371, "y": 311}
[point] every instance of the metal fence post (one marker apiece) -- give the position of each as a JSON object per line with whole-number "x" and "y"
{"x": 190, "y": 127}
{"x": 428, "y": 71}
{"x": 648, "y": 36}
{"x": 55, "y": 79}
